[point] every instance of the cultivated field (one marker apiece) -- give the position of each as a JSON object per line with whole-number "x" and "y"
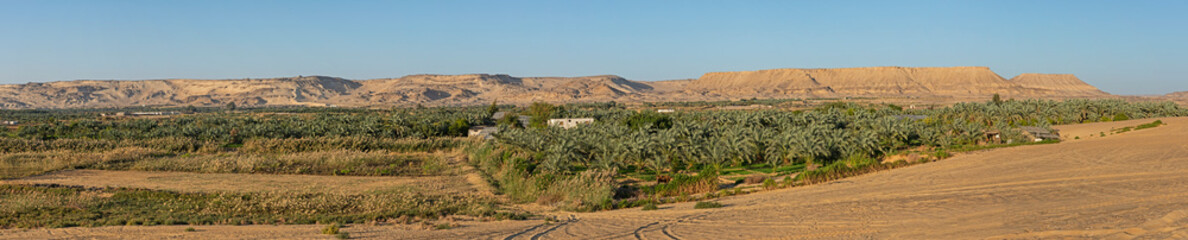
{"x": 1123, "y": 186}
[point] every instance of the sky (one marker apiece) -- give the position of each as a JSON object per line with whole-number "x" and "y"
{"x": 1122, "y": 47}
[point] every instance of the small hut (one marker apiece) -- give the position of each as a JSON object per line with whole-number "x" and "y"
{"x": 1039, "y": 133}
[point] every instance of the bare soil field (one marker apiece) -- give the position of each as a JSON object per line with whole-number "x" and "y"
{"x": 1123, "y": 186}
{"x": 232, "y": 182}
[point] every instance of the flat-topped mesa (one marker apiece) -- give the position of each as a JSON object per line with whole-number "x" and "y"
{"x": 867, "y": 81}
{"x": 470, "y": 89}
{"x": 1062, "y": 84}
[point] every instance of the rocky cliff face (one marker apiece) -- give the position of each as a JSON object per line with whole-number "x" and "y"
{"x": 872, "y": 81}
{"x": 174, "y": 92}
{"x": 483, "y": 88}
{"x": 1061, "y": 84}
{"x": 318, "y": 91}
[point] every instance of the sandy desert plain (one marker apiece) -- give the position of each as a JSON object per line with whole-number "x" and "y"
{"x": 732, "y": 162}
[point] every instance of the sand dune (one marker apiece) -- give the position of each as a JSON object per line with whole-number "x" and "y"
{"x": 1124, "y": 186}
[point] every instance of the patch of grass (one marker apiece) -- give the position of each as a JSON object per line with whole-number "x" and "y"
{"x": 1156, "y": 123}
{"x": 29, "y": 206}
{"x": 330, "y": 229}
{"x": 507, "y": 170}
{"x": 191, "y": 229}
{"x": 442, "y": 226}
{"x": 649, "y": 207}
{"x": 681, "y": 184}
{"x": 769, "y": 184}
{"x": 322, "y": 144}
{"x": 705, "y": 205}
{"x": 341, "y": 162}
{"x": 21, "y": 164}
{"x": 342, "y": 235}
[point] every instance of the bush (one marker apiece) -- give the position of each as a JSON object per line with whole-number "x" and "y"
{"x": 331, "y": 229}
{"x": 1121, "y": 117}
{"x": 343, "y": 236}
{"x": 1156, "y": 123}
{"x": 704, "y": 205}
{"x": 769, "y": 184}
{"x": 705, "y": 181}
{"x": 649, "y": 207}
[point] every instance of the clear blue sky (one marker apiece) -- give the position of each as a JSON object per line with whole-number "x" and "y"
{"x": 1123, "y": 47}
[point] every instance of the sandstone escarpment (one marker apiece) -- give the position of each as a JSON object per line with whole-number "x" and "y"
{"x": 870, "y": 81}
{"x": 1059, "y": 84}
{"x": 470, "y": 89}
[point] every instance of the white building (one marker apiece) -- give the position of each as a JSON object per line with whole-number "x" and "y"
{"x": 665, "y": 110}
{"x": 568, "y": 123}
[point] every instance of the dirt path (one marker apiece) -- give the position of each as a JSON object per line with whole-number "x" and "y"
{"x": 1124, "y": 186}
{"x": 230, "y": 182}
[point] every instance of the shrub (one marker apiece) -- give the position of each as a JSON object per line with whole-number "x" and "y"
{"x": 191, "y": 229}
{"x": 705, "y": 181}
{"x": 330, "y": 229}
{"x": 649, "y": 207}
{"x": 1156, "y": 123}
{"x": 704, "y": 205}
{"x": 1121, "y": 117}
{"x": 769, "y": 184}
{"x": 343, "y": 235}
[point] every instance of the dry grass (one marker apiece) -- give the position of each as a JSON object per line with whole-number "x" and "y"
{"x": 57, "y": 206}
{"x": 340, "y": 162}
{"x": 15, "y": 165}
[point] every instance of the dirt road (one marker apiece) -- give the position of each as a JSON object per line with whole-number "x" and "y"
{"x": 1124, "y": 186}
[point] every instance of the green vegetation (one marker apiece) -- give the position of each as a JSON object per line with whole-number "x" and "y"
{"x": 705, "y": 205}
{"x": 627, "y": 158}
{"x": 842, "y": 139}
{"x": 331, "y": 229}
{"x": 59, "y": 206}
{"x": 1156, "y": 123}
{"x": 649, "y": 207}
{"x": 353, "y": 163}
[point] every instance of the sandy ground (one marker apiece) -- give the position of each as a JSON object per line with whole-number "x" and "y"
{"x": 1094, "y": 130}
{"x": 1125, "y": 186}
{"x": 230, "y": 182}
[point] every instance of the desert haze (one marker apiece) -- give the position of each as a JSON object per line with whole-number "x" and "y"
{"x": 471, "y": 89}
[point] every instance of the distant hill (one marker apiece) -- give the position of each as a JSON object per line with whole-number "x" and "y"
{"x": 1064, "y": 84}
{"x": 469, "y": 89}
